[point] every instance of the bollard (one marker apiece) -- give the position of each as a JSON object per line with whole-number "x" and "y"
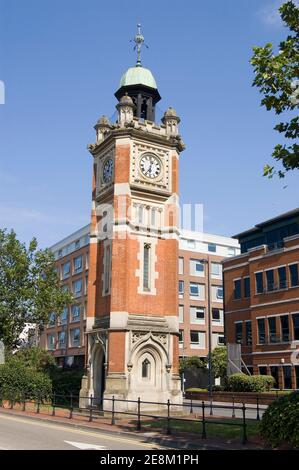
{"x": 53, "y": 404}
{"x": 38, "y": 404}
{"x": 233, "y": 413}
{"x": 113, "y": 411}
{"x": 138, "y": 415}
{"x": 90, "y": 409}
{"x": 257, "y": 408}
{"x": 168, "y": 431}
{"x": 203, "y": 434}
{"x": 191, "y": 406}
{"x": 244, "y": 440}
{"x": 211, "y": 407}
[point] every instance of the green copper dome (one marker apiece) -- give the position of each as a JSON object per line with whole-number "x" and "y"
{"x": 138, "y": 76}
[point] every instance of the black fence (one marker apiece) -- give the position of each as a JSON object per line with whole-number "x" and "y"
{"x": 95, "y": 407}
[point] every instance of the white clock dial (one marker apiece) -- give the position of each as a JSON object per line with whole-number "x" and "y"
{"x": 150, "y": 165}
{"x": 108, "y": 171}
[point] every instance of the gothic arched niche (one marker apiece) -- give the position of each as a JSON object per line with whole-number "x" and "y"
{"x": 148, "y": 368}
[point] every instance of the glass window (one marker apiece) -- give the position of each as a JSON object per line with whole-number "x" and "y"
{"x": 78, "y": 264}
{"x": 231, "y": 251}
{"x": 52, "y": 319}
{"x": 216, "y": 269}
{"x": 272, "y": 329}
{"x": 196, "y": 267}
{"x": 261, "y": 331}
{"x": 77, "y": 288}
{"x": 247, "y": 286}
{"x": 294, "y": 274}
{"x": 216, "y": 314}
{"x": 198, "y": 338}
{"x": 270, "y": 279}
{"x": 181, "y": 313}
{"x": 217, "y": 293}
{"x": 212, "y": 247}
{"x": 51, "y": 340}
{"x": 259, "y": 283}
{"x": 65, "y": 288}
{"x": 61, "y": 339}
{"x": 296, "y": 326}
{"x": 197, "y": 290}
{"x": 181, "y": 265}
{"x": 238, "y": 332}
{"x": 237, "y": 289}
{"x": 76, "y": 312}
{"x": 146, "y": 369}
{"x": 77, "y": 244}
{"x": 221, "y": 341}
{"x": 197, "y": 314}
{"x": 274, "y": 373}
{"x": 181, "y": 287}
{"x": 248, "y": 333}
{"x": 146, "y": 266}
{"x": 287, "y": 376}
{"x": 66, "y": 269}
{"x": 263, "y": 370}
{"x": 282, "y": 277}
{"x": 59, "y": 253}
{"x": 63, "y": 316}
{"x": 284, "y": 324}
{"x": 75, "y": 337}
{"x": 181, "y": 336}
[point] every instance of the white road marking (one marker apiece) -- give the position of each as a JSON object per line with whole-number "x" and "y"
{"x": 83, "y": 445}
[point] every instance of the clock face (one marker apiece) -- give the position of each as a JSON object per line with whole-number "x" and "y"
{"x": 107, "y": 171}
{"x": 150, "y": 165}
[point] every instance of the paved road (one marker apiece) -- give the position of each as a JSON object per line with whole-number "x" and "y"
{"x": 250, "y": 413}
{"x": 18, "y": 433}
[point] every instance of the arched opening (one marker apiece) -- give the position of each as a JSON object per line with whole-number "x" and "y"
{"x": 98, "y": 375}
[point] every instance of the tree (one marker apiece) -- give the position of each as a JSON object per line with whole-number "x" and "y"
{"x": 29, "y": 287}
{"x": 219, "y": 362}
{"x": 192, "y": 362}
{"x": 277, "y": 77}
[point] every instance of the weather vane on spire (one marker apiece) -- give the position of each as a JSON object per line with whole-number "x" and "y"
{"x": 139, "y": 41}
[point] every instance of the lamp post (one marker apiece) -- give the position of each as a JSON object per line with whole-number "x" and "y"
{"x": 207, "y": 263}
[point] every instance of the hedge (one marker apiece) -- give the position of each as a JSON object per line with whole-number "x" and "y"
{"x": 250, "y": 383}
{"x": 280, "y": 421}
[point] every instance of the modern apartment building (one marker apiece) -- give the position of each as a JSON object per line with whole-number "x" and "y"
{"x": 65, "y": 335}
{"x": 261, "y": 287}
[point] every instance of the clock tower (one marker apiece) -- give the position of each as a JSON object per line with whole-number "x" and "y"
{"x": 132, "y": 312}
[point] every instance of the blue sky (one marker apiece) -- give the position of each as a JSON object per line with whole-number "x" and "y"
{"x": 61, "y": 62}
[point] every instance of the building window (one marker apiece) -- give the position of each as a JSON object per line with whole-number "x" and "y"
{"x": 197, "y": 290}
{"x": 221, "y": 340}
{"x": 237, "y": 289}
{"x": 294, "y": 274}
{"x": 59, "y": 253}
{"x": 181, "y": 288}
{"x": 238, "y": 332}
{"x": 274, "y": 373}
{"x": 272, "y": 329}
{"x": 217, "y": 293}
{"x": 66, "y": 269}
{"x": 146, "y": 266}
{"x": 212, "y": 247}
{"x": 248, "y": 334}
{"x": 75, "y": 337}
{"x": 262, "y": 370}
{"x": 284, "y": 325}
{"x": 282, "y": 277}
{"x": 261, "y": 331}
{"x": 153, "y": 217}
{"x": 77, "y": 244}
{"x": 259, "y": 283}
{"x": 181, "y": 313}
{"x": 216, "y": 315}
{"x": 216, "y": 270}
{"x": 77, "y": 288}
{"x": 181, "y": 265}
{"x": 51, "y": 340}
{"x": 196, "y": 268}
{"x": 197, "y": 338}
{"x": 287, "y": 376}
{"x": 191, "y": 243}
{"x": 76, "y": 312}
{"x": 78, "y": 264}
{"x": 52, "y": 319}
{"x": 181, "y": 336}
{"x": 197, "y": 314}
{"x": 63, "y": 316}
{"x": 231, "y": 251}
{"x": 247, "y": 286}
{"x": 146, "y": 369}
{"x": 270, "y": 279}
{"x": 65, "y": 288}
{"x": 296, "y": 326}
{"x": 61, "y": 339}
{"x": 107, "y": 269}
{"x": 140, "y": 214}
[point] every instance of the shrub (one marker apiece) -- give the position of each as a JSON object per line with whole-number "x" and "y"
{"x": 280, "y": 421}
{"x": 217, "y": 388}
{"x": 249, "y": 383}
{"x": 17, "y": 381}
{"x": 66, "y": 381}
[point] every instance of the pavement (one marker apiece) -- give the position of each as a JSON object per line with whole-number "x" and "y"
{"x": 31, "y": 431}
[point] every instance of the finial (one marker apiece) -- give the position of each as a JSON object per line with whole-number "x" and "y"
{"x": 139, "y": 40}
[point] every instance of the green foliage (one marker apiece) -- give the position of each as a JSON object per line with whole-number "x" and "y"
{"x": 36, "y": 358}
{"x": 17, "y": 380}
{"x": 276, "y": 76}
{"x": 219, "y": 362}
{"x": 280, "y": 421}
{"x": 249, "y": 383}
{"x": 30, "y": 287}
{"x": 67, "y": 381}
{"x": 192, "y": 362}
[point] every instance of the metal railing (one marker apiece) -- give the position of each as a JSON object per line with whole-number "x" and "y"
{"x": 113, "y": 408}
